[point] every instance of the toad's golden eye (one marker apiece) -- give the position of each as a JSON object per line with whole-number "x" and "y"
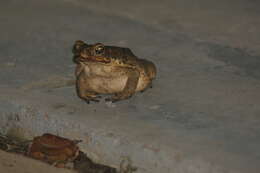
{"x": 99, "y": 49}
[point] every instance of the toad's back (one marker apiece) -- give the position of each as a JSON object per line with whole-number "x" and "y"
{"x": 118, "y": 52}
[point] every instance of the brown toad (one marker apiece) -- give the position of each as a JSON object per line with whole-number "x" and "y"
{"x": 110, "y": 70}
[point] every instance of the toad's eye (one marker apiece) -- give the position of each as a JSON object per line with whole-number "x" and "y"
{"x": 99, "y": 49}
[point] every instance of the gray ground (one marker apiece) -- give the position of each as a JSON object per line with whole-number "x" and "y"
{"x": 202, "y": 114}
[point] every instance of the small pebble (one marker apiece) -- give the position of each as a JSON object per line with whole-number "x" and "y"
{"x": 154, "y": 107}
{"x": 110, "y": 104}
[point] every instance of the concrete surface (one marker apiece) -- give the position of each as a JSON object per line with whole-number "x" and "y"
{"x": 232, "y": 22}
{"x": 202, "y": 115}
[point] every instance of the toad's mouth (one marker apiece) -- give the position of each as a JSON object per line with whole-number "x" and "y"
{"x": 99, "y": 59}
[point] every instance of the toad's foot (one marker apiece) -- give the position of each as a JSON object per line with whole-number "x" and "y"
{"x": 149, "y": 86}
{"x": 93, "y": 98}
{"x": 118, "y": 97}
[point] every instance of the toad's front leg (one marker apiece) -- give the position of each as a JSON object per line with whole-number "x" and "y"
{"x": 130, "y": 87}
{"x": 83, "y": 90}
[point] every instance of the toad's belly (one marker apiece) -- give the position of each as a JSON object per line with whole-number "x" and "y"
{"x": 110, "y": 85}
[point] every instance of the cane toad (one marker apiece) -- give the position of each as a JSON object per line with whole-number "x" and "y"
{"x": 110, "y": 70}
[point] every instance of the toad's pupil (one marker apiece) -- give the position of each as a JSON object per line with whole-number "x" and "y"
{"x": 99, "y": 50}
